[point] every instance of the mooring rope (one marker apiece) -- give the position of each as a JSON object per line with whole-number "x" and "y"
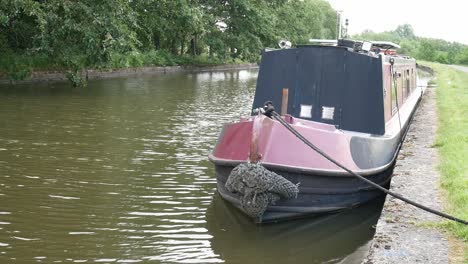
{"x": 269, "y": 111}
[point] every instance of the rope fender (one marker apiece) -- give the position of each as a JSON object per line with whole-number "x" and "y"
{"x": 259, "y": 188}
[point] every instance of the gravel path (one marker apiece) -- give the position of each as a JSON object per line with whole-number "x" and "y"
{"x": 400, "y": 236}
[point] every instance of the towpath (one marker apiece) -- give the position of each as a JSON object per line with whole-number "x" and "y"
{"x": 401, "y": 234}
{"x": 459, "y": 67}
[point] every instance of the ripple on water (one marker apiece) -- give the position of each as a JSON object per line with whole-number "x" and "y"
{"x": 117, "y": 172}
{"x": 64, "y": 197}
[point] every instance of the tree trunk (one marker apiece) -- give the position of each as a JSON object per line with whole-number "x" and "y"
{"x": 157, "y": 41}
{"x": 193, "y": 46}
{"x": 182, "y": 46}
{"x": 174, "y": 48}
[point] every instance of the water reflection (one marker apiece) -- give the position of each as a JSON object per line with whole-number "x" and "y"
{"x": 323, "y": 239}
{"x": 118, "y": 172}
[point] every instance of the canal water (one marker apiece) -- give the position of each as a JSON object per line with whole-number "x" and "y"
{"x": 118, "y": 172}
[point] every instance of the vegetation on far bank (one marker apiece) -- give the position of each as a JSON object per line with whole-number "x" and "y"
{"x": 18, "y": 67}
{"x": 427, "y": 49}
{"x": 452, "y": 143}
{"x": 73, "y": 35}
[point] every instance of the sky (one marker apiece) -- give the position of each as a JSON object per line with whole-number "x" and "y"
{"x": 446, "y": 19}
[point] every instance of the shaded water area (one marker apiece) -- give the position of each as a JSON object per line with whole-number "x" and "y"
{"x": 118, "y": 172}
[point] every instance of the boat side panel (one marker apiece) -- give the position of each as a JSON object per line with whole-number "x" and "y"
{"x": 363, "y": 106}
{"x": 277, "y": 145}
{"x": 388, "y": 91}
{"x": 326, "y": 77}
{"x": 373, "y": 152}
{"x": 282, "y": 147}
{"x": 346, "y": 82}
{"x": 278, "y": 70}
{"x": 234, "y": 141}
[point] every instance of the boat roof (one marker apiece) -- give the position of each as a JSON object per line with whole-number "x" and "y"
{"x": 385, "y": 45}
{"x": 325, "y": 42}
{"x": 333, "y": 42}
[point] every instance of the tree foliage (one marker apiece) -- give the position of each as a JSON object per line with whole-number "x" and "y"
{"x": 90, "y": 33}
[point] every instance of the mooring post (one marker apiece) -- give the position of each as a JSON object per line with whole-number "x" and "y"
{"x": 255, "y": 155}
{"x": 284, "y": 103}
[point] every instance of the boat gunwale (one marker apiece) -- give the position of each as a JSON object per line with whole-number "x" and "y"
{"x": 321, "y": 172}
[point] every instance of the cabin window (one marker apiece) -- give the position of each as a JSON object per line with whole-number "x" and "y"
{"x": 394, "y": 95}
{"x": 408, "y": 84}
{"x": 328, "y": 112}
{"x": 306, "y": 111}
{"x": 403, "y": 87}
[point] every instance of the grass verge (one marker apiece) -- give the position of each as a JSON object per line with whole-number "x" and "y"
{"x": 452, "y": 143}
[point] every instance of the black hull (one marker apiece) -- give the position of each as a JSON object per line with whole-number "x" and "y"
{"x": 318, "y": 194}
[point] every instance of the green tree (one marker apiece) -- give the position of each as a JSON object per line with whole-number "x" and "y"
{"x": 20, "y": 20}
{"x": 421, "y": 48}
{"x": 405, "y": 32}
{"x": 300, "y": 21}
{"x": 250, "y": 26}
{"x": 92, "y": 29}
{"x": 426, "y": 51}
{"x": 170, "y": 24}
{"x": 462, "y": 57}
{"x": 74, "y": 35}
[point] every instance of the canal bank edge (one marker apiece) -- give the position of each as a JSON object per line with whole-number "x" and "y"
{"x": 403, "y": 234}
{"x": 93, "y": 74}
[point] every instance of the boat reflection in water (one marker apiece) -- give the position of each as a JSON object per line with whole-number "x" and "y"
{"x": 335, "y": 238}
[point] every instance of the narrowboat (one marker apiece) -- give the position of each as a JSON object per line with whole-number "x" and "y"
{"x": 352, "y": 99}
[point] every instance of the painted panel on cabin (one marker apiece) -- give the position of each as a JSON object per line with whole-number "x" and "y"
{"x": 330, "y": 77}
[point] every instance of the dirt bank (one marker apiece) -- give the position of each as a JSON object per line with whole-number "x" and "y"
{"x": 46, "y": 76}
{"x": 402, "y": 235}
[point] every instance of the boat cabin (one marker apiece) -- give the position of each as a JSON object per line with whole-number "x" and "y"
{"x": 349, "y": 84}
